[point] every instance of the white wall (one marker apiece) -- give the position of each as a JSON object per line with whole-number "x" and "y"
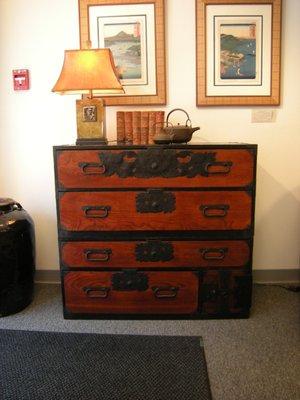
{"x": 34, "y": 34}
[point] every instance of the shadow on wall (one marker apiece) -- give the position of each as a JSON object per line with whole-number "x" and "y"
{"x": 277, "y": 224}
{"x": 46, "y": 241}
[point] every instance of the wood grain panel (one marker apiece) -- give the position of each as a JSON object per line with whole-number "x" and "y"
{"x": 189, "y": 213}
{"x": 71, "y": 175}
{"x": 77, "y": 300}
{"x": 118, "y": 254}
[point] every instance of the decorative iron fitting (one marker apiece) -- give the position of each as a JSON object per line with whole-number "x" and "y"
{"x": 129, "y": 280}
{"x": 155, "y": 201}
{"x": 239, "y": 290}
{"x": 156, "y": 162}
{"x": 154, "y": 250}
{"x": 212, "y": 292}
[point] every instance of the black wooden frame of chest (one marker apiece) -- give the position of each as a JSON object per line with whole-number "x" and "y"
{"x": 207, "y": 292}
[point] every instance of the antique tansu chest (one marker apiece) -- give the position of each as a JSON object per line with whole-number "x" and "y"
{"x": 156, "y": 231}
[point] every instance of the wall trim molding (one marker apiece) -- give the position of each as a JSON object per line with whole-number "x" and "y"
{"x": 259, "y": 276}
{"x": 276, "y": 275}
{"x": 47, "y": 276}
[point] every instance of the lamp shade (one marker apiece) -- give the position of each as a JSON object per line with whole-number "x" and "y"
{"x": 88, "y": 71}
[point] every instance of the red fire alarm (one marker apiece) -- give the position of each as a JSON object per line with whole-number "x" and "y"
{"x": 21, "y": 79}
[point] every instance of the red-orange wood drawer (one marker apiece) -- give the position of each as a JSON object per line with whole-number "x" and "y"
{"x": 117, "y": 211}
{"x": 154, "y": 168}
{"x": 163, "y": 293}
{"x": 155, "y": 254}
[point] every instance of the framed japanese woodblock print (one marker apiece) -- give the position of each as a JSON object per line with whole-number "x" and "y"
{"x": 238, "y": 52}
{"x": 134, "y": 31}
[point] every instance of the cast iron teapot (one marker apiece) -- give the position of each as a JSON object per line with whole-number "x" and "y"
{"x": 175, "y": 134}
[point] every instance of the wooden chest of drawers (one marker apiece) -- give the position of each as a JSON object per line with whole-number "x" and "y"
{"x": 156, "y": 231}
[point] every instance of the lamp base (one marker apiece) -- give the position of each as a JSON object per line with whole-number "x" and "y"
{"x": 90, "y": 121}
{"x": 91, "y": 142}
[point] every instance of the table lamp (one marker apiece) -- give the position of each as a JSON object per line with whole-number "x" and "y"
{"x": 89, "y": 72}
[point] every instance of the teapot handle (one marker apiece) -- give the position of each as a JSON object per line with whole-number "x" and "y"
{"x": 179, "y": 109}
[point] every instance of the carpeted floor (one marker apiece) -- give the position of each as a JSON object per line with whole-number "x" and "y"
{"x": 253, "y": 359}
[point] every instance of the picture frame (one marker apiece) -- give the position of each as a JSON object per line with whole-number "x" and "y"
{"x": 135, "y": 32}
{"x": 238, "y": 52}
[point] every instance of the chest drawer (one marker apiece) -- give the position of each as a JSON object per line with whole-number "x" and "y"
{"x": 154, "y": 167}
{"x": 163, "y": 210}
{"x": 125, "y": 293}
{"x": 155, "y": 254}
{"x": 225, "y": 292}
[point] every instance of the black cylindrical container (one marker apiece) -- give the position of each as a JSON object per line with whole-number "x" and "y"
{"x": 17, "y": 257}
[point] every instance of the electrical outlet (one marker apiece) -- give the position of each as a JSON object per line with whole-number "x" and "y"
{"x": 263, "y": 116}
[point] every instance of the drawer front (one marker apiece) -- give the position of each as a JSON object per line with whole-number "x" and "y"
{"x": 154, "y": 167}
{"x": 152, "y": 210}
{"x": 225, "y": 293}
{"x": 155, "y": 254}
{"x": 131, "y": 292}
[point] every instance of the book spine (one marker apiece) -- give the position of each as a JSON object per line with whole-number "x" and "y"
{"x": 160, "y": 116}
{"x": 136, "y": 127}
{"x": 120, "y": 126}
{"x": 144, "y": 127}
{"x": 128, "y": 126}
{"x": 152, "y": 124}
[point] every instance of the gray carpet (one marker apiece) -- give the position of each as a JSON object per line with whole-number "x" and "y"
{"x": 252, "y": 359}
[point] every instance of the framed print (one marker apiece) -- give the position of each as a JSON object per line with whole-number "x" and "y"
{"x": 238, "y": 52}
{"x": 134, "y": 31}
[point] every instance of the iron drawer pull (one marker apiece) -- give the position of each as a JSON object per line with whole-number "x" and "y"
{"x": 92, "y": 168}
{"x": 88, "y": 211}
{"x": 165, "y": 292}
{"x": 225, "y": 167}
{"x": 214, "y": 210}
{"x": 97, "y": 254}
{"x": 96, "y": 292}
{"x": 214, "y": 253}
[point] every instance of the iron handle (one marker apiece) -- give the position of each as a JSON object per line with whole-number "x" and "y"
{"x": 96, "y": 292}
{"x": 223, "y": 167}
{"x": 214, "y": 210}
{"x": 93, "y": 211}
{"x": 180, "y": 109}
{"x": 92, "y": 168}
{"x": 214, "y": 253}
{"x": 96, "y": 255}
{"x": 165, "y": 292}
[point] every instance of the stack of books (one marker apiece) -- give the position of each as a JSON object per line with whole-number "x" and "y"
{"x": 139, "y": 127}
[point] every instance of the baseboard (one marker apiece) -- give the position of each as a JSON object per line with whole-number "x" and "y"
{"x": 276, "y": 276}
{"x": 47, "y": 276}
{"x": 259, "y": 276}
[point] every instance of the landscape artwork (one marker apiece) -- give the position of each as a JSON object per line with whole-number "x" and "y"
{"x": 124, "y": 40}
{"x": 238, "y": 51}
